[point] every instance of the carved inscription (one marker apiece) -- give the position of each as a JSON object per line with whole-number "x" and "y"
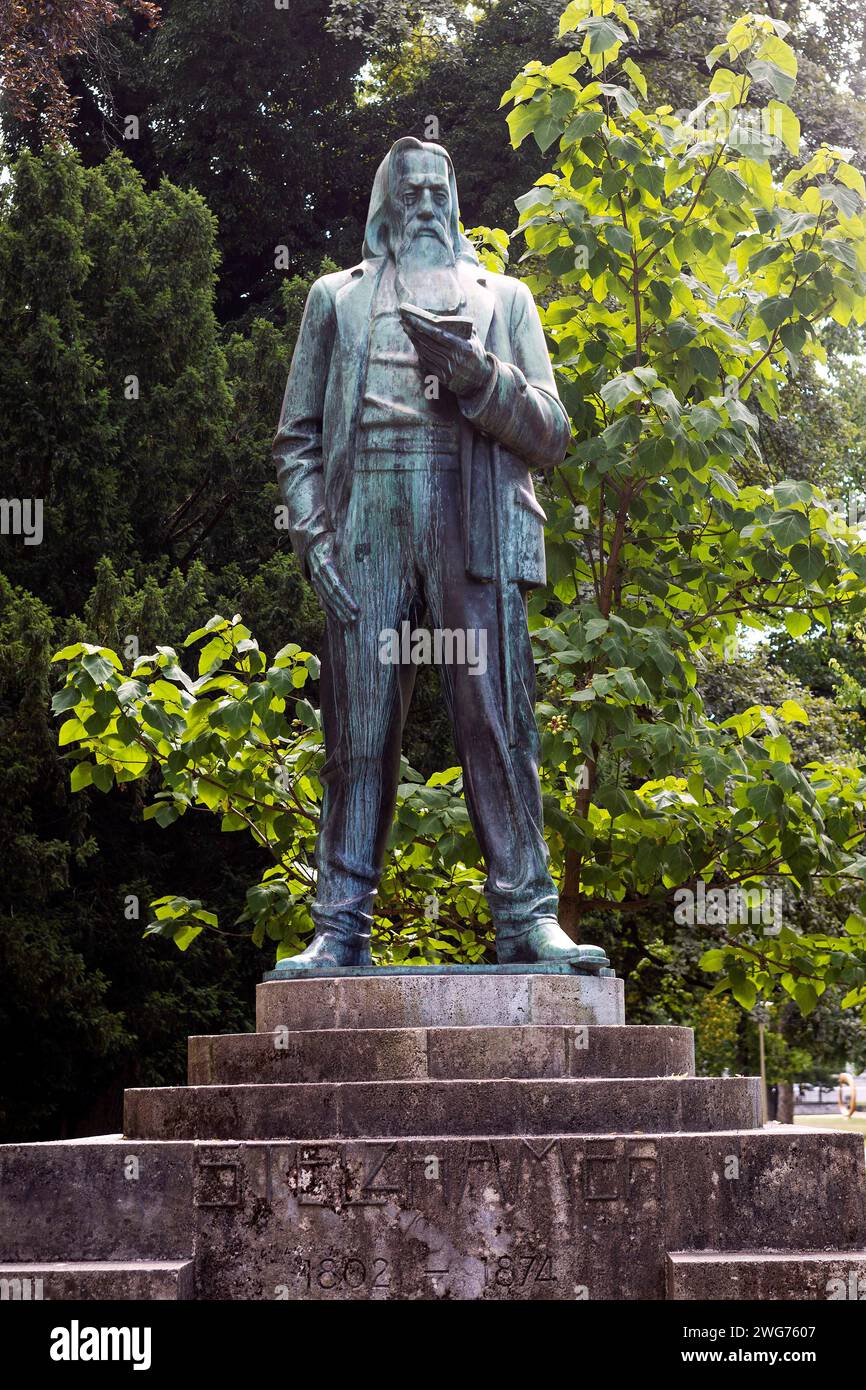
{"x": 333, "y": 1273}
{"x": 518, "y": 1271}
{"x": 505, "y": 1218}
{"x": 502, "y": 1171}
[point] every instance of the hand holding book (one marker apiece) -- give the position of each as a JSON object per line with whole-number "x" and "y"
{"x": 448, "y": 347}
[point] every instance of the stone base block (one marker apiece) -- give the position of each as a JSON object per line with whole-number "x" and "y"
{"x": 559, "y": 1216}
{"x": 501, "y": 998}
{"x": 139, "y": 1280}
{"x": 397, "y": 1108}
{"x": 492, "y": 1134}
{"x": 762, "y": 1275}
{"x": 416, "y": 1054}
{"x": 286, "y": 971}
{"x": 507, "y": 1218}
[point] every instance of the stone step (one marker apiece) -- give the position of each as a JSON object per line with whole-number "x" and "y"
{"x": 96, "y": 1199}
{"x": 497, "y": 998}
{"x": 396, "y": 1054}
{"x": 766, "y": 1275}
{"x": 147, "y": 1280}
{"x": 357, "y": 1109}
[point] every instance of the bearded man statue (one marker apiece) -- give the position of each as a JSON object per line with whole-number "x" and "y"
{"x": 419, "y": 398}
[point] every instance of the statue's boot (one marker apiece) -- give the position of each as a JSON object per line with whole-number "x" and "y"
{"x": 331, "y": 947}
{"x": 544, "y": 942}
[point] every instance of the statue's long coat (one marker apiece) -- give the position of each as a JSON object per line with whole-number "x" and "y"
{"x": 516, "y": 423}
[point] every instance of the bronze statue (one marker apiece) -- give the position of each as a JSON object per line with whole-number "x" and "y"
{"x": 420, "y": 396}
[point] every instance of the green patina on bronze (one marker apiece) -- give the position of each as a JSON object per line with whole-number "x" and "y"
{"x": 419, "y": 398}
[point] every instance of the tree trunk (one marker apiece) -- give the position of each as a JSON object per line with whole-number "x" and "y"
{"x": 569, "y": 918}
{"x": 785, "y": 1105}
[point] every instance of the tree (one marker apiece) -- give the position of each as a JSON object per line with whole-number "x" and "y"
{"x": 84, "y": 1009}
{"x": 36, "y": 38}
{"x": 404, "y": 40}
{"x": 681, "y": 281}
{"x": 249, "y": 104}
{"x": 454, "y": 85}
{"x": 243, "y": 743}
{"x": 279, "y": 114}
{"x": 717, "y": 1022}
{"x": 101, "y": 280}
{"x": 113, "y": 395}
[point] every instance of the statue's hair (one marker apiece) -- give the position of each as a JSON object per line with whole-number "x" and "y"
{"x": 380, "y": 217}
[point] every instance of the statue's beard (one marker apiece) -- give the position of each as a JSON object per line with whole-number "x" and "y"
{"x": 427, "y": 272}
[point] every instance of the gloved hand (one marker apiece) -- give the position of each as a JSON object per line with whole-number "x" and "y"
{"x": 325, "y": 578}
{"x": 461, "y": 364}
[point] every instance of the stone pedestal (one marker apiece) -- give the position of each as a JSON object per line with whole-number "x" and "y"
{"x": 473, "y": 1134}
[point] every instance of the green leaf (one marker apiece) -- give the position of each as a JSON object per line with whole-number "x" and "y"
{"x": 82, "y": 776}
{"x": 69, "y": 653}
{"x": 787, "y": 527}
{"x": 98, "y": 667}
{"x": 637, "y": 77}
{"x": 213, "y": 654}
{"x": 280, "y": 680}
{"x": 744, "y": 992}
{"x": 236, "y": 717}
{"x": 614, "y": 800}
{"x": 805, "y": 995}
{"x": 155, "y": 717}
{"x": 792, "y": 713}
{"x": 621, "y": 388}
{"x": 776, "y": 310}
{"x": 65, "y": 699}
{"x": 584, "y": 124}
{"x": 184, "y": 936}
{"x": 766, "y": 798}
{"x": 603, "y": 32}
{"x": 705, "y": 421}
{"x": 102, "y": 776}
{"x": 763, "y": 70}
{"x": 784, "y": 125}
{"x": 680, "y": 332}
{"x": 797, "y": 623}
{"x": 845, "y": 199}
{"x": 619, "y": 238}
{"x": 792, "y": 490}
{"x": 726, "y": 185}
{"x": 651, "y": 178}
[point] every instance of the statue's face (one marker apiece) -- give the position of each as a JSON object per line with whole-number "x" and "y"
{"x": 423, "y": 198}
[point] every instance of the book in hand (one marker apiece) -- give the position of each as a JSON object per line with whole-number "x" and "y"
{"x": 450, "y": 323}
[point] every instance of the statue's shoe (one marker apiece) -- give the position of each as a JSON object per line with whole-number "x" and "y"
{"x": 329, "y": 948}
{"x": 545, "y": 943}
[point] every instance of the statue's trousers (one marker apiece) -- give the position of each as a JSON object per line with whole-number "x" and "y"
{"x": 402, "y": 557}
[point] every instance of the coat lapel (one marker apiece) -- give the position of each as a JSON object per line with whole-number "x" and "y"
{"x": 475, "y": 461}
{"x": 353, "y": 305}
{"x": 480, "y": 301}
